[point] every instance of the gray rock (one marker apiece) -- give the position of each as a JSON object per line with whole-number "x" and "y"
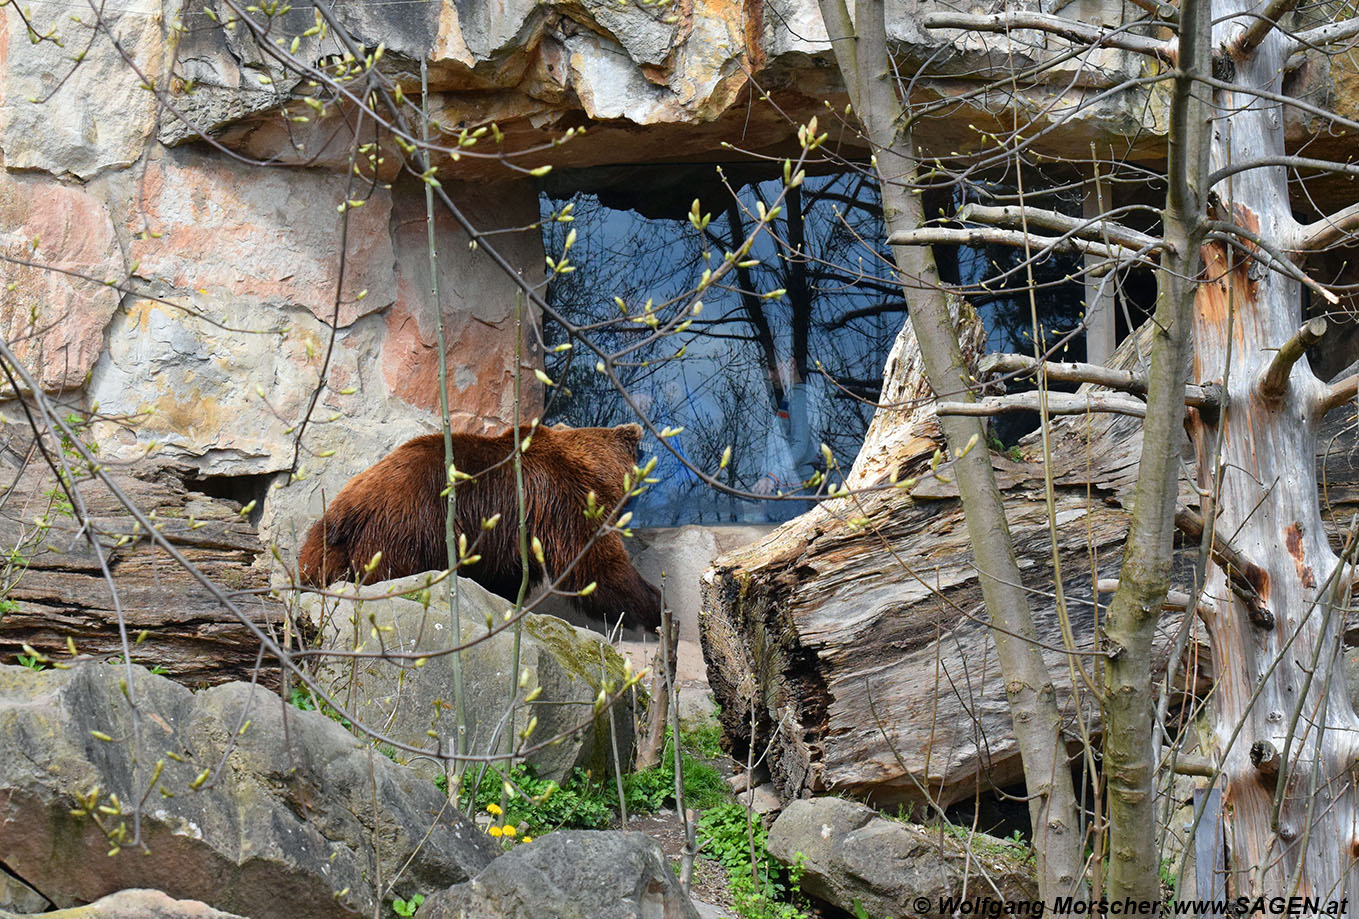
{"x": 576, "y": 874}
{"x": 298, "y": 820}
{"x": 697, "y": 708}
{"x": 137, "y": 904}
{"x": 762, "y": 799}
{"x": 851, "y": 852}
{"x": 681, "y": 554}
{"x": 570, "y": 665}
{"x": 227, "y": 65}
{"x": 48, "y": 120}
{"x": 712, "y": 911}
{"x": 17, "y": 896}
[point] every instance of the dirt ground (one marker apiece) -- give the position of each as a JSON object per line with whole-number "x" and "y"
{"x": 709, "y": 882}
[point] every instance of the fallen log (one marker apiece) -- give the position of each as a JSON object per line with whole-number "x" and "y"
{"x": 53, "y": 589}
{"x": 854, "y": 638}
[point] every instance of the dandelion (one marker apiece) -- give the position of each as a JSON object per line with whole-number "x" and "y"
{"x": 494, "y": 830}
{"x": 510, "y": 831}
{"x": 527, "y": 839}
{"x": 493, "y": 810}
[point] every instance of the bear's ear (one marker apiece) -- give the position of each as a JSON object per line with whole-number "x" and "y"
{"x": 631, "y": 435}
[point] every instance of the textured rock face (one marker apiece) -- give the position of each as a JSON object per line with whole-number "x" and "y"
{"x": 186, "y": 366}
{"x": 55, "y": 316}
{"x": 63, "y": 595}
{"x": 62, "y": 132}
{"x": 285, "y": 826}
{"x": 570, "y": 874}
{"x": 267, "y": 237}
{"x": 479, "y": 304}
{"x": 567, "y": 667}
{"x": 851, "y": 853}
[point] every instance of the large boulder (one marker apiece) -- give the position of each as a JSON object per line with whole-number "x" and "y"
{"x": 136, "y": 904}
{"x": 570, "y": 874}
{"x": 851, "y": 853}
{"x": 245, "y": 803}
{"x": 567, "y": 667}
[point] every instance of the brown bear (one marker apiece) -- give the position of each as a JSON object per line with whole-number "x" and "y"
{"x": 395, "y": 508}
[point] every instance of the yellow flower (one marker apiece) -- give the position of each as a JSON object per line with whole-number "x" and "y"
{"x": 510, "y": 830}
{"x": 527, "y": 839}
{"x": 494, "y": 830}
{"x": 494, "y": 810}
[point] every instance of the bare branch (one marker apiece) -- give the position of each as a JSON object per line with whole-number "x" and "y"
{"x": 981, "y": 236}
{"x": 1328, "y": 231}
{"x": 1176, "y": 600}
{"x": 1324, "y": 35}
{"x": 1228, "y": 233}
{"x": 1058, "y": 403}
{"x": 1341, "y": 392}
{"x": 1264, "y": 756}
{"x": 1014, "y": 216}
{"x": 1275, "y": 380}
{"x": 1194, "y": 765}
{"x": 1244, "y": 577}
{"x": 1071, "y": 30}
{"x": 1264, "y": 22}
{"x": 1130, "y": 381}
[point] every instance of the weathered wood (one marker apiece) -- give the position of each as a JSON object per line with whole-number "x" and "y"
{"x": 1282, "y": 689}
{"x": 1058, "y": 403}
{"x": 862, "y": 621}
{"x": 62, "y": 592}
{"x": 858, "y": 629}
{"x": 1076, "y": 372}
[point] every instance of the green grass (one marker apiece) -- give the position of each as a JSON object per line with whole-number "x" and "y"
{"x": 762, "y": 890}
{"x": 651, "y": 789}
{"x": 539, "y": 806}
{"x": 32, "y": 662}
{"x": 536, "y": 806}
{"x": 301, "y": 697}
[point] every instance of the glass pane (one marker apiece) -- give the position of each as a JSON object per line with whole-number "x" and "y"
{"x": 772, "y": 377}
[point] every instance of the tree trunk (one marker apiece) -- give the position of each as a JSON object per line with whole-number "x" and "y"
{"x": 870, "y": 75}
{"x": 1130, "y": 749}
{"x": 1280, "y": 690}
{"x": 859, "y": 627}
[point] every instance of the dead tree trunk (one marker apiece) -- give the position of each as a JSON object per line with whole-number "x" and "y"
{"x": 1280, "y": 689}
{"x": 1228, "y": 257}
{"x": 857, "y": 630}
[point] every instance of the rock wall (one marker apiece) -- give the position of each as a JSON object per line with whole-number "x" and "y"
{"x": 152, "y": 147}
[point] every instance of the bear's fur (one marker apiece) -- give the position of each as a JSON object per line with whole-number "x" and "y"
{"x": 395, "y": 507}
